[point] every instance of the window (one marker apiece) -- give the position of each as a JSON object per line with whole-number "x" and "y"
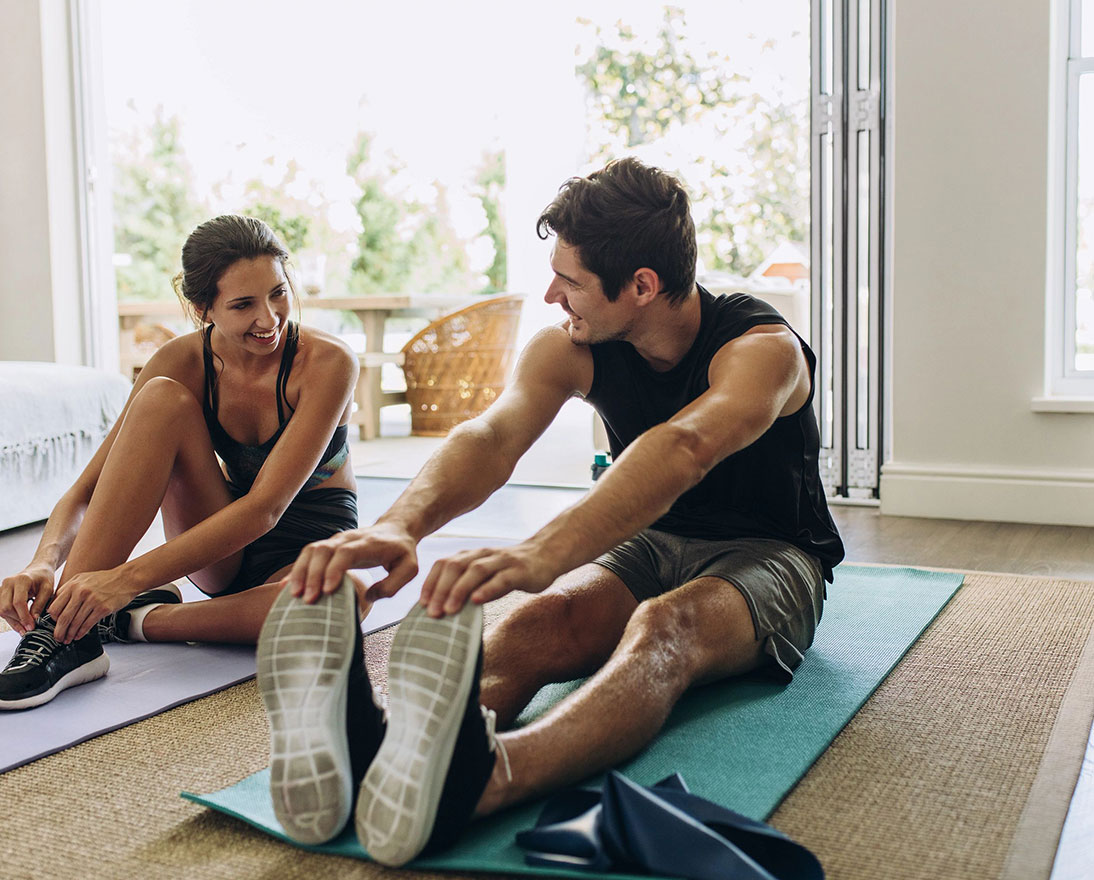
{"x": 431, "y": 179}
{"x": 1071, "y": 277}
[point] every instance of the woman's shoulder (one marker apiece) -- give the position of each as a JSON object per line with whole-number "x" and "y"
{"x": 181, "y": 354}
{"x": 324, "y": 351}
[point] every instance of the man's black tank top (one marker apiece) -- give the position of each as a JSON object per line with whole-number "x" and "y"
{"x": 770, "y": 489}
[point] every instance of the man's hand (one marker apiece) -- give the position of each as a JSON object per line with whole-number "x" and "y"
{"x": 320, "y": 567}
{"x": 84, "y": 600}
{"x": 483, "y": 575}
{"x": 23, "y": 596}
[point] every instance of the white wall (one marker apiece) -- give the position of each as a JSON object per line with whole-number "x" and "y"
{"x": 40, "y": 310}
{"x": 970, "y": 197}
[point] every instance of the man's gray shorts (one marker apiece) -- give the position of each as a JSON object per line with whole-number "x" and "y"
{"x": 784, "y": 586}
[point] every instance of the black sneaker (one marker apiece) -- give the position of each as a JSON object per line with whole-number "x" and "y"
{"x": 42, "y": 667}
{"x": 115, "y": 627}
{"x": 422, "y": 788}
{"x": 325, "y": 726}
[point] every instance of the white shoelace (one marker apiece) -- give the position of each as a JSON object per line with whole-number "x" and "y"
{"x": 490, "y": 717}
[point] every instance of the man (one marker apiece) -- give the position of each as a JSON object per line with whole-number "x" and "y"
{"x": 701, "y": 553}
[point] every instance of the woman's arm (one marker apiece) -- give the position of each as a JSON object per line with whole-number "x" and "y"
{"x": 325, "y": 379}
{"x": 327, "y": 385}
{"x": 23, "y": 596}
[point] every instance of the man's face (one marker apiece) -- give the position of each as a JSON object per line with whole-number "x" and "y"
{"x": 592, "y": 317}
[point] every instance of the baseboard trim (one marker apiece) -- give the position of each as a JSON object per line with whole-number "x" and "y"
{"x": 1046, "y": 497}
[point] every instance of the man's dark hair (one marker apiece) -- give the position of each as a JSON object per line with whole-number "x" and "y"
{"x": 625, "y": 217}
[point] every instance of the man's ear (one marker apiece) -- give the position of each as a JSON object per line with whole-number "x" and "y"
{"x": 647, "y": 284}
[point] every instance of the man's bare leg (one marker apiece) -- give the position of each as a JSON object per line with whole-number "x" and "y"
{"x": 699, "y": 632}
{"x": 566, "y": 632}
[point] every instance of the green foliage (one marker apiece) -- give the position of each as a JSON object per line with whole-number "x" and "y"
{"x": 293, "y": 229}
{"x": 489, "y": 188}
{"x": 652, "y": 96}
{"x": 406, "y": 243}
{"x": 155, "y": 208}
{"x": 644, "y": 93}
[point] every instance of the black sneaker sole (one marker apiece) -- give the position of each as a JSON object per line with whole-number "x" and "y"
{"x": 89, "y": 671}
{"x": 303, "y": 657}
{"x": 430, "y": 675}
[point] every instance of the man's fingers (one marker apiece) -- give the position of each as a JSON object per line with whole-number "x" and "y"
{"x": 337, "y": 565}
{"x": 456, "y": 585}
{"x": 440, "y": 582}
{"x": 299, "y": 570}
{"x": 400, "y": 575}
{"x": 317, "y": 568}
{"x": 493, "y": 589}
{"x": 478, "y": 574}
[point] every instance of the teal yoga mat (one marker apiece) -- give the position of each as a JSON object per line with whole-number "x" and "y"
{"x": 742, "y": 743}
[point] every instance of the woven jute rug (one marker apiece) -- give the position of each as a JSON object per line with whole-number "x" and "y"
{"x": 963, "y": 759}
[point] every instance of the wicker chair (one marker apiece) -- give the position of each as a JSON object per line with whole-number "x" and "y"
{"x": 457, "y": 366}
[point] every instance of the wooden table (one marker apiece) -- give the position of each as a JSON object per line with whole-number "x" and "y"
{"x": 373, "y": 311}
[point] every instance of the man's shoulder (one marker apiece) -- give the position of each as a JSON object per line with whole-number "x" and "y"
{"x": 552, "y": 356}
{"x": 729, "y": 315}
{"x": 555, "y": 342}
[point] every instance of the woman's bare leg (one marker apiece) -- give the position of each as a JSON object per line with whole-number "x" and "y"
{"x": 235, "y": 619}
{"x": 162, "y": 457}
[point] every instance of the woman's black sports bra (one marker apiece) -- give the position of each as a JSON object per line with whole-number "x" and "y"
{"x": 243, "y": 462}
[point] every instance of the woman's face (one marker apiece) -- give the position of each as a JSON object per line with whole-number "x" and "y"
{"x": 253, "y": 304}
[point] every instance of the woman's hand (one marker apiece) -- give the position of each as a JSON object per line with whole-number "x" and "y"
{"x": 84, "y": 600}
{"x": 23, "y": 596}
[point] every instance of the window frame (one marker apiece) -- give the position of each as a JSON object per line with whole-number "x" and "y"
{"x": 1062, "y": 379}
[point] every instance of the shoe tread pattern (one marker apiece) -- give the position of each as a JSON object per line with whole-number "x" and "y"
{"x": 304, "y": 654}
{"x": 430, "y": 673}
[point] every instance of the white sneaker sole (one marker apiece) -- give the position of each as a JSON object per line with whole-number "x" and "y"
{"x": 90, "y": 671}
{"x": 430, "y": 674}
{"x": 303, "y": 659}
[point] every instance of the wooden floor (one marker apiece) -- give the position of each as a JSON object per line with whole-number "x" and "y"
{"x": 1048, "y": 551}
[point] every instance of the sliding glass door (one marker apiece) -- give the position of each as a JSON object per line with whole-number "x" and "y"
{"x": 846, "y": 271}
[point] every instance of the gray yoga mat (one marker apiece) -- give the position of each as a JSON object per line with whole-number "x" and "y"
{"x": 743, "y": 743}
{"x": 147, "y": 679}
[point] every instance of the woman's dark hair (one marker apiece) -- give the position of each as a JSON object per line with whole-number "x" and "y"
{"x": 625, "y": 217}
{"x": 216, "y": 245}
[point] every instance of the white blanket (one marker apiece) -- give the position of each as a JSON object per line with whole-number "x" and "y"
{"x": 52, "y": 419}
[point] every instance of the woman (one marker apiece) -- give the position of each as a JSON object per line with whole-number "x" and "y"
{"x": 268, "y": 396}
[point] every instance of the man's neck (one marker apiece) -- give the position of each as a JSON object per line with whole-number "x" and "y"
{"x": 665, "y": 333}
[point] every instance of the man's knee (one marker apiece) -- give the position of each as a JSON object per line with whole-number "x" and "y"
{"x": 554, "y": 625}
{"x": 696, "y": 634}
{"x": 662, "y": 631}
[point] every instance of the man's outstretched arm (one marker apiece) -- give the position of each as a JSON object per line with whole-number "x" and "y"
{"x": 754, "y": 380}
{"x": 474, "y": 461}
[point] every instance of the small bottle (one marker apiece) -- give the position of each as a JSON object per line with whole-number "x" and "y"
{"x": 600, "y": 464}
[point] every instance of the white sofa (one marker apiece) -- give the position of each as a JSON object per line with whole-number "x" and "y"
{"x": 52, "y": 419}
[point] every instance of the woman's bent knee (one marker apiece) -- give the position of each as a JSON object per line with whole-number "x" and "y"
{"x": 165, "y": 396}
